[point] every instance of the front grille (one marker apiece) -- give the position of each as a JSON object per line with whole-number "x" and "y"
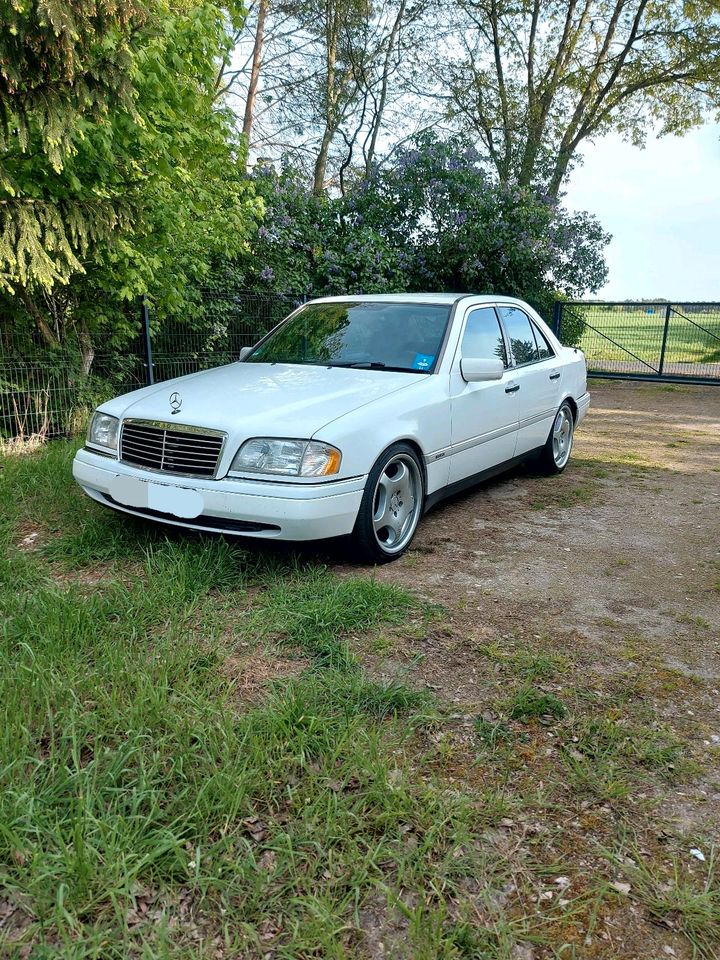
{"x": 171, "y": 448}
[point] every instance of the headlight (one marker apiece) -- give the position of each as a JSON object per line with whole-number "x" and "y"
{"x": 103, "y": 430}
{"x": 289, "y": 458}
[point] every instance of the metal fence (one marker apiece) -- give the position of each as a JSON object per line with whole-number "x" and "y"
{"x": 44, "y": 392}
{"x": 645, "y": 341}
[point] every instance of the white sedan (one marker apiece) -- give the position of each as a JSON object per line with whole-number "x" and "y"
{"x": 352, "y": 417}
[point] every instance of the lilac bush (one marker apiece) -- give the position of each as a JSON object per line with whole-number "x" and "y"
{"x": 433, "y": 218}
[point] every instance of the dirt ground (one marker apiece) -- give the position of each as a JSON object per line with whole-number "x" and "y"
{"x": 613, "y": 571}
{"x": 625, "y": 543}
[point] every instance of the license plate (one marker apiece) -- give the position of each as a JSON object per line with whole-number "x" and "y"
{"x": 177, "y": 501}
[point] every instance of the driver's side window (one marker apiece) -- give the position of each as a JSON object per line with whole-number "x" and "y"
{"x": 483, "y": 339}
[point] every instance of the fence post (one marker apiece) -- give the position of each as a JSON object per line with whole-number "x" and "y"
{"x": 668, "y": 311}
{"x": 147, "y": 342}
{"x": 557, "y": 315}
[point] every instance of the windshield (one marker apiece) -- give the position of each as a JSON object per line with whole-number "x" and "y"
{"x": 392, "y": 336}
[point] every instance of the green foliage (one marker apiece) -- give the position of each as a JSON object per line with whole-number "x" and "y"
{"x": 145, "y": 188}
{"x": 61, "y": 62}
{"x": 432, "y": 219}
{"x": 531, "y": 703}
{"x": 308, "y": 244}
{"x": 456, "y": 228}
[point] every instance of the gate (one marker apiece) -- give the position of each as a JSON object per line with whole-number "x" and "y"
{"x": 677, "y": 342}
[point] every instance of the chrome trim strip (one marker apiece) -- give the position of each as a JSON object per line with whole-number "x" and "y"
{"x": 176, "y": 427}
{"x": 102, "y": 451}
{"x": 487, "y": 437}
{"x": 529, "y": 421}
{"x": 484, "y": 438}
{"x": 470, "y": 442}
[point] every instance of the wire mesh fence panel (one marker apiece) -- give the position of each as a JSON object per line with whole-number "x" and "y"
{"x": 225, "y": 325}
{"x": 648, "y": 340}
{"x": 54, "y": 398}
{"x": 693, "y": 341}
{"x": 49, "y": 392}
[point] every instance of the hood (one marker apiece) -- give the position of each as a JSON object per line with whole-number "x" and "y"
{"x": 262, "y": 399}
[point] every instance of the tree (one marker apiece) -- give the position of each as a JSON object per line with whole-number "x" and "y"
{"x": 537, "y": 79}
{"x": 161, "y": 159}
{"x": 62, "y": 65}
{"x": 432, "y": 218}
{"x": 255, "y": 69}
{"x": 310, "y": 245}
{"x": 319, "y": 82}
{"x": 455, "y": 228}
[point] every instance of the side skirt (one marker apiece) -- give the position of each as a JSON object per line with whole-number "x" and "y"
{"x": 472, "y": 481}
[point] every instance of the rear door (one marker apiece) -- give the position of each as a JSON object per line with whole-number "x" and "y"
{"x": 539, "y": 376}
{"x": 484, "y": 416}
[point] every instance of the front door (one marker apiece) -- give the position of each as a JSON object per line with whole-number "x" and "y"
{"x": 484, "y": 415}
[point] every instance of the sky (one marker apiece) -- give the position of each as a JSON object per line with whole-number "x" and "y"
{"x": 662, "y": 205}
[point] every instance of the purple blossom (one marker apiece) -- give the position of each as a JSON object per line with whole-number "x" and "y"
{"x": 267, "y": 274}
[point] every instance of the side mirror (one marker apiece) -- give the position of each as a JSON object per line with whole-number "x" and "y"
{"x": 474, "y": 370}
{"x": 244, "y": 352}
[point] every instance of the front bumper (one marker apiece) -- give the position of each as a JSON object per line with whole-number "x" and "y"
{"x": 282, "y": 511}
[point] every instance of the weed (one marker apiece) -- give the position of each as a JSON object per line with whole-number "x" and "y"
{"x": 538, "y": 664}
{"x": 491, "y": 734}
{"x": 530, "y": 703}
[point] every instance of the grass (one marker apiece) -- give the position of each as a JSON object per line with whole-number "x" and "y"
{"x": 143, "y": 810}
{"x": 683, "y": 898}
{"x": 150, "y": 808}
{"x": 530, "y": 703}
{"x": 608, "y": 758}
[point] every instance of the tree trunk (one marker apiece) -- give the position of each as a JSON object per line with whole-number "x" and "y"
{"x": 46, "y": 332}
{"x": 87, "y": 350}
{"x": 321, "y": 162}
{"x": 255, "y": 69}
{"x": 332, "y": 30}
{"x": 378, "y": 118}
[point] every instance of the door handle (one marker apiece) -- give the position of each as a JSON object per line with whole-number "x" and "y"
{"x": 513, "y": 389}
{"x": 555, "y": 376}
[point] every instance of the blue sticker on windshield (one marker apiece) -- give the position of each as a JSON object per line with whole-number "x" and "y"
{"x": 423, "y": 361}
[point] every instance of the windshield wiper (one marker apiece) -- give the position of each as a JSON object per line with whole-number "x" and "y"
{"x": 373, "y": 365}
{"x": 368, "y": 364}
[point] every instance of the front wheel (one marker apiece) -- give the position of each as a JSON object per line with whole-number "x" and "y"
{"x": 556, "y": 452}
{"x": 391, "y": 506}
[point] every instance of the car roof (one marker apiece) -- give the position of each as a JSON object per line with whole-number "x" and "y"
{"x": 447, "y": 298}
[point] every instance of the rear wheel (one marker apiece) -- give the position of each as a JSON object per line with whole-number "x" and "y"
{"x": 391, "y": 506}
{"x": 556, "y": 452}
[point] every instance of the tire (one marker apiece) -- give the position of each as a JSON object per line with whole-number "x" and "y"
{"x": 391, "y": 506}
{"x": 558, "y": 446}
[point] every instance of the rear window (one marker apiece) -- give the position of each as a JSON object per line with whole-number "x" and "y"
{"x": 522, "y": 339}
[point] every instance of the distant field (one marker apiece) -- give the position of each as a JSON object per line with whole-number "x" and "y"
{"x": 615, "y": 333}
